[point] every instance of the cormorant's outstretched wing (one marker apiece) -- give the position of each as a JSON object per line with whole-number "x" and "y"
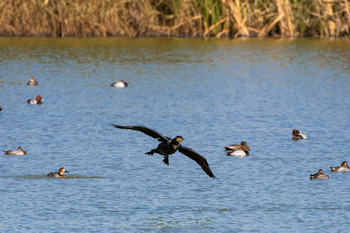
{"x": 198, "y": 158}
{"x": 145, "y": 130}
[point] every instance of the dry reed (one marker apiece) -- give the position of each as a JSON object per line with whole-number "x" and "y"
{"x": 203, "y": 18}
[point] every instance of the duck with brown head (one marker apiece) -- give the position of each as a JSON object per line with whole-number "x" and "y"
{"x": 342, "y": 168}
{"x": 59, "y": 174}
{"x": 298, "y": 135}
{"x": 37, "y": 100}
{"x": 319, "y": 176}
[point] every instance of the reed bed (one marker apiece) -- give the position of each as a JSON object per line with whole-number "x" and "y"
{"x": 175, "y": 18}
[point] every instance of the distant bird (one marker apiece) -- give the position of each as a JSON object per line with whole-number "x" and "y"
{"x": 243, "y": 145}
{"x": 0, "y": 108}
{"x": 319, "y": 176}
{"x": 32, "y": 82}
{"x": 59, "y": 174}
{"x": 19, "y": 151}
{"x": 120, "y": 84}
{"x": 241, "y": 153}
{"x": 342, "y": 168}
{"x": 169, "y": 146}
{"x": 37, "y": 100}
{"x": 298, "y": 135}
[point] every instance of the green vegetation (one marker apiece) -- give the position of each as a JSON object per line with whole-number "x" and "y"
{"x": 202, "y": 18}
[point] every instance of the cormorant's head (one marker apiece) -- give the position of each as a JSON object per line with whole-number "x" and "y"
{"x": 179, "y": 138}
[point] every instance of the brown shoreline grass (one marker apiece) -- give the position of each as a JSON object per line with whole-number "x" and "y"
{"x": 175, "y": 18}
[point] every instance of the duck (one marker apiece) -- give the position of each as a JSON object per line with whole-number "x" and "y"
{"x": 298, "y": 135}
{"x": 37, "y": 100}
{"x": 59, "y": 174}
{"x": 19, "y": 151}
{"x": 238, "y": 147}
{"x": 342, "y": 168}
{"x": 319, "y": 175}
{"x": 32, "y": 82}
{"x": 0, "y": 108}
{"x": 169, "y": 146}
{"x": 120, "y": 84}
{"x": 241, "y": 153}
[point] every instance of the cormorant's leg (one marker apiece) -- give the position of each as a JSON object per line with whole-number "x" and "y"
{"x": 166, "y": 159}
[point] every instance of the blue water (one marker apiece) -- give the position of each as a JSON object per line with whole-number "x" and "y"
{"x": 212, "y": 92}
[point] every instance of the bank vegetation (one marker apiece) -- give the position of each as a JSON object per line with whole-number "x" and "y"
{"x": 175, "y": 18}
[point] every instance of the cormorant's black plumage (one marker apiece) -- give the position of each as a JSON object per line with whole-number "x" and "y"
{"x": 168, "y": 146}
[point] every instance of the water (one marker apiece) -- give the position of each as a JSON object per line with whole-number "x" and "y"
{"x": 213, "y": 93}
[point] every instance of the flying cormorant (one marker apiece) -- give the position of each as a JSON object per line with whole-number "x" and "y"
{"x": 168, "y": 146}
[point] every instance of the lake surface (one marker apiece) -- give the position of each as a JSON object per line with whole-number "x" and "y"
{"x": 212, "y": 92}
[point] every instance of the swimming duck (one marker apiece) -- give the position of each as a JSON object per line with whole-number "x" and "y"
{"x": 298, "y": 135}
{"x": 19, "y": 151}
{"x": 37, "y": 100}
{"x": 319, "y": 176}
{"x": 32, "y": 82}
{"x": 238, "y": 147}
{"x": 241, "y": 153}
{"x": 59, "y": 174}
{"x": 120, "y": 84}
{"x": 168, "y": 146}
{"x": 342, "y": 168}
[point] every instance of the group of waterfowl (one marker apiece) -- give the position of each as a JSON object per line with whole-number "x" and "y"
{"x": 320, "y": 175}
{"x": 39, "y": 100}
{"x": 242, "y": 150}
{"x": 169, "y": 146}
{"x": 20, "y": 151}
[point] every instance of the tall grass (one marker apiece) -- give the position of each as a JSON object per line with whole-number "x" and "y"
{"x": 200, "y": 18}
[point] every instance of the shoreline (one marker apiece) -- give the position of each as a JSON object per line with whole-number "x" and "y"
{"x": 178, "y": 18}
